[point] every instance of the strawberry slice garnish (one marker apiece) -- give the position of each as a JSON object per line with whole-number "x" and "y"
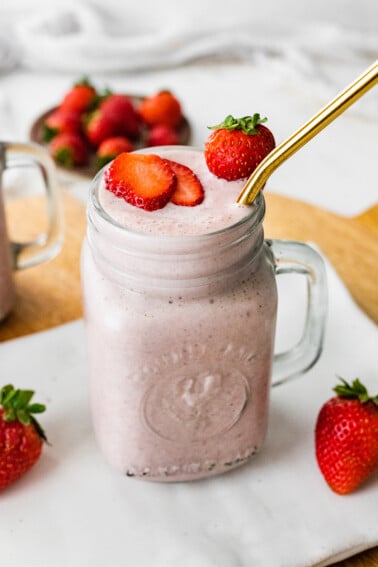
{"x": 143, "y": 180}
{"x": 189, "y": 191}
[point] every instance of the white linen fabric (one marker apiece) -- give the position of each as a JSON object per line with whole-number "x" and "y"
{"x": 125, "y": 36}
{"x": 71, "y": 509}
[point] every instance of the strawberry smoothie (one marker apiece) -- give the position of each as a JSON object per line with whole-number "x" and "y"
{"x": 180, "y": 307}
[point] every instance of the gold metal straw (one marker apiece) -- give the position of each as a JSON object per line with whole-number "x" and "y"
{"x": 310, "y": 129}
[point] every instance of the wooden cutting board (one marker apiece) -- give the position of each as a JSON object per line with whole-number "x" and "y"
{"x": 50, "y": 294}
{"x": 350, "y": 244}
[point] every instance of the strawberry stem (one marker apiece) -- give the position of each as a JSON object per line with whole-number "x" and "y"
{"x": 101, "y": 161}
{"x": 16, "y": 406}
{"x": 246, "y": 124}
{"x": 354, "y": 391}
{"x": 48, "y": 133}
{"x": 83, "y": 81}
{"x": 64, "y": 156}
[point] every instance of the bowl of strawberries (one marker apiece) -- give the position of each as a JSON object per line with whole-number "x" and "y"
{"x": 89, "y": 128}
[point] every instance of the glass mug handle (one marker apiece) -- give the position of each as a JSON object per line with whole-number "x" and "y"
{"x": 47, "y": 245}
{"x": 296, "y": 257}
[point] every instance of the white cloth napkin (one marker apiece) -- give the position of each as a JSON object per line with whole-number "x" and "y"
{"x": 322, "y": 47}
{"x": 86, "y": 36}
{"x": 78, "y": 38}
{"x": 72, "y": 509}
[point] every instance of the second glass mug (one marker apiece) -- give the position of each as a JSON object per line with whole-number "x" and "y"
{"x": 180, "y": 337}
{"x": 20, "y": 255}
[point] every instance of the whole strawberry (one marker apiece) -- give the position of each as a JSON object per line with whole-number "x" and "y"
{"x": 60, "y": 122}
{"x": 69, "y": 149}
{"x": 111, "y": 148}
{"x": 161, "y": 135}
{"x": 237, "y": 146}
{"x": 80, "y": 97}
{"x": 99, "y": 126}
{"x": 161, "y": 108}
{"x": 346, "y": 437}
{"x": 21, "y": 436}
{"x": 120, "y": 110}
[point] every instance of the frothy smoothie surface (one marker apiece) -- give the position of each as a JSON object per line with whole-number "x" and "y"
{"x": 217, "y": 211}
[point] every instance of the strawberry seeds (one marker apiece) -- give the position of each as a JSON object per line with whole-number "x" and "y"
{"x": 232, "y": 152}
{"x": 149, "y": 182}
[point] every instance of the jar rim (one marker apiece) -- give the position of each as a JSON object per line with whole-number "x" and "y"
{"x": 255, "y": 216}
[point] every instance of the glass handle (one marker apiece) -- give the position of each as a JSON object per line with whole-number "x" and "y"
{"x": 46, "y": 245}
{"x": 296, "y": 257}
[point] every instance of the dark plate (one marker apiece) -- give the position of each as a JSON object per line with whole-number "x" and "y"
{"x": 89, "y": 170}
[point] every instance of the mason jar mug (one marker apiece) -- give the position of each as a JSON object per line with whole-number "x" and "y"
{"x": 180, "y": 333}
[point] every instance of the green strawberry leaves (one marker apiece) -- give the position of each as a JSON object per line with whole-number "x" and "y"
{"x": 49, "y": 133}
{"x": 246, "y": 124}
{"x": 64, "y": 156}
{"x": 354, "y": 391}
{"x": 16, "y": 406}
{"x": 83, "y": 81}
{"x": 101, "y": 161}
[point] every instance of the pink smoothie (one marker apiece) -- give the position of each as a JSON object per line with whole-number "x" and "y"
{"x": 6, "y": 283}
{"x": 218, "y": 210}
{"x": 180, "y": 312}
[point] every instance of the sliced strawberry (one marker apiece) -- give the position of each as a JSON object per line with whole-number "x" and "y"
{"x": 143, "y": 180}
{"x": 189, "y": 191}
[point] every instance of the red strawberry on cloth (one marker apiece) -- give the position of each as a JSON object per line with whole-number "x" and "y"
{"x": 21, "y": 436}
{"x": 237, "y": 146}
{"x": 346, "y": 437}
